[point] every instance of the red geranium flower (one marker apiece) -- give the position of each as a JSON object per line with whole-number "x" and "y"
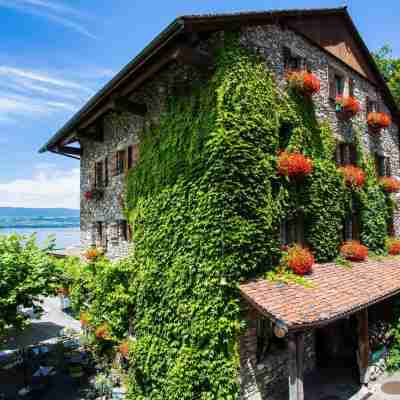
{"x": 294, "y": 165}
{"x": 304, "y": 81}
{"x": 379, "y": 120}
{"x": 299, "y": 260}
{"x": 348, "y": 105}
{"x": 390, "y": 184}
{"x": 124, "y": 348}
{"x": 353, "y": 176}
{"x": 103, "y": 332}
{"x": 354, "y": 251}
{"x": 393, "y": 246}
{"x": 88, "y": 195}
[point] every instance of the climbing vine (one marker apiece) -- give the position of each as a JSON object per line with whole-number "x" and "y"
{"x": 205, "y": 203}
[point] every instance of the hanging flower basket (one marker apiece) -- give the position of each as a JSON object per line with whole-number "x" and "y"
{"x": 347, "y": 106}
{"x": 124, "y": 348}
{"x": 390, "y": 184}
{"x": 294, "y": 165}
{"x": 354, "y": 251}
{"x": 393, "y": 246}
{"x": 378, "y": 121}
{"x": 94, "y": 194}
{"x": 353, "y": 176}
{"x": 299, "y": 260}
{"x": 93, "y": 253}
{"x": 103, "y": 332}
{"x": 304, "y": 82}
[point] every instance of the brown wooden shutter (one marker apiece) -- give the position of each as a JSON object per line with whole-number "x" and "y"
{"x": 126, "y": 158}
{"x": 338, "y": 155}
{"x": 388, "y": 166}
{"x": 135, "y": 154}
{"x": 332, "y": 84}
{"x": 114, "y": 162}
{"x": 287, "y": 55}
{"x": 351, "y": 87}
{"x": 368, "y": 105}
{"x": 353, "y": 154}
{"x": 106, "y": 177}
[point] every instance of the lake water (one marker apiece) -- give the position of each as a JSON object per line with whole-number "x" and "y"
{"x": 65, "y": 237}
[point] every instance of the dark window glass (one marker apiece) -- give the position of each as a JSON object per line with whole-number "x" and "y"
{"x": 339, "y": 85}
{"x": 292, "y": 230}
{"x": 121, "y": 159}
{"x": 99, "y": 174}
{"x": 382, "y": 166}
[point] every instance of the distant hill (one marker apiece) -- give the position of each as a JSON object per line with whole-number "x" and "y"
{"x": 38, "y": 212}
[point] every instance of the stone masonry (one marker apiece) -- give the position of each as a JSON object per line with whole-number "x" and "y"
{"x": 122, "y": 130}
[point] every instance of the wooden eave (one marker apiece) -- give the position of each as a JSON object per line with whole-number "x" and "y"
{"x": 165, "y": 48}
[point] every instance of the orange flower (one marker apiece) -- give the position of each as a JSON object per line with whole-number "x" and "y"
{"x": 299, "y": 260}
{"x": 84, "y": 319}
{"x": 353, "y": 176}
{"x": 92, "y": 253}
{"x": 348, "y": 105}
{"x": 393, "y": 246}
{"x": 390, "y": 184}
{"x": 294, "y": 165}
{"x": 124, "y": 348}
{"x": 379, "y": 120}
{"x": 354, "y": 251}
{"x": 103, "y": 332}
{"x": 304, "y": 81}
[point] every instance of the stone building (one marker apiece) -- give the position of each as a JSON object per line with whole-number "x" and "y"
{"x": 104, "y": 135}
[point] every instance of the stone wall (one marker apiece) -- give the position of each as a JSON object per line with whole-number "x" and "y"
{"x": 267, "y": 379}
{"x": 269, "y": 40}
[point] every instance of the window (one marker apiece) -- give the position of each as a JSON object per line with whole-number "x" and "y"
{"x": 106, "y": 176}
{"x": 339, "y": 85}
{"x": 292, "y": 61}
{"x": 346, "y": 154}
{"x": 120, "y": 162}
{"x": 351, "y": 227}
{"x": 124, "y": 230}
{"x": 382, "y": 166}
{"x": 292, "y": 230}
{"x": 267, "y": 342}
{"x": 285, "y": 133}
{"x": 99, "y": 178}
{"x": 351, "y": 87}
{"x": 101, "y": 234}
{"x": 372, "y": 105}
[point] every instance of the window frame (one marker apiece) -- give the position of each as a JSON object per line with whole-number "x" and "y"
{"x": 292, "y": 230}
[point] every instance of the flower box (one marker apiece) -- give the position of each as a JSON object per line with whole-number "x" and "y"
{"x": 390, "y": 184}
{"x": 353, "y": 176}
{"x": 304, "y": 82}
{"x": 294, "y": 165}
{"x": 354, "y": 251}
{"x": 378, "y": 121}
{"x": 94, "y": 194}
{"x": 347, "y": 106}
{"x": 299, "y": 260}
{"x": 393, "y": 246}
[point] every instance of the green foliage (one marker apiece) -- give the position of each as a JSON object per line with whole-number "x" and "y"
{"x": 393, "y": 362}
{"x": 26, "y": 273}
{"x": 390, "y": 69}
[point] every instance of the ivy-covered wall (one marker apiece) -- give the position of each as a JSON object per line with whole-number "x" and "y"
{"x": 205, "y": 203}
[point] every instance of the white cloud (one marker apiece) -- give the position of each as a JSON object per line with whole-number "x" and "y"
{"x": 52, "y": 11}
{"x": 48, "y": 188}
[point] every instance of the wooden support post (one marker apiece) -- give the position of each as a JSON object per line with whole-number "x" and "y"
{"x": 300, "y": 365}
{"x": 363, "y": 344}
{"x": 292, "y": 350}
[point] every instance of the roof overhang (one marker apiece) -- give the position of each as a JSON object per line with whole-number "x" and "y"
{"x": 162, "y": 50}
{"x": 336, "y": 292}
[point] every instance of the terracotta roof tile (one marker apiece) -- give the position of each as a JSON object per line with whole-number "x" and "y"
{"x": 336, "y": 292}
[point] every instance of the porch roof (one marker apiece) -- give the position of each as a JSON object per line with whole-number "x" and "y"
{"x": 337, "y": 292}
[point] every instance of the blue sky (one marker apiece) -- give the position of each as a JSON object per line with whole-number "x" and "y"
{"x": 55, "y": 54}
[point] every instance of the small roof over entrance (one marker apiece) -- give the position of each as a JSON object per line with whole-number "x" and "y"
{"x": 336, "y": 293}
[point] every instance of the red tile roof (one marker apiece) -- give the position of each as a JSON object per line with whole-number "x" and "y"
{"x": 336, "y": 292}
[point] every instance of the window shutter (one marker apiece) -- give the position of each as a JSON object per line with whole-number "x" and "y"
{"x": 92, "y": 175}
{"x": 287, "y": 54}
{"x": 307, "y": 65}
{"x": 135, "y": 154}
{"x": 351, "y": 87}
{"x": 106, "y": 177}
{"x": 126, "y": 159}
{"x": 114, "y": 164}
{"x": 332, "y": 84}
{"x": 338, "y": 155}
{"x": 368, "y": 105}
{"x": 388, "y": 167}
{"x": 353, "y": 154}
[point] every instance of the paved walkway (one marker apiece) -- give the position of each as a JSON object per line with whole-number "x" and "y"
{"x": 45, "y": 328}
{"x": 379, "y": 394}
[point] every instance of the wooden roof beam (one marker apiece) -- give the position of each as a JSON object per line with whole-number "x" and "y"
{"x": 73, "y": 151}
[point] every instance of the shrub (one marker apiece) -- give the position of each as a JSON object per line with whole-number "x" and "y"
{"x": 84, "y": 319}
{"x": 390, "y": 184}
{"x": 348, "y": 106}
{"x": 354, "y": 251}
{"x": 353, "y": 176}
{"x": 294, "y": 165}
{"x": 393, "y": 246}
{"x": 379, "y": 120}
{"x": 299, "y": 260}
{"x": 304, "y": 82}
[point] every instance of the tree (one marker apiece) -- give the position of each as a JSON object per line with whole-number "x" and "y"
{"x": 26, "y": 273}
{"x": 390, "y": 69}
